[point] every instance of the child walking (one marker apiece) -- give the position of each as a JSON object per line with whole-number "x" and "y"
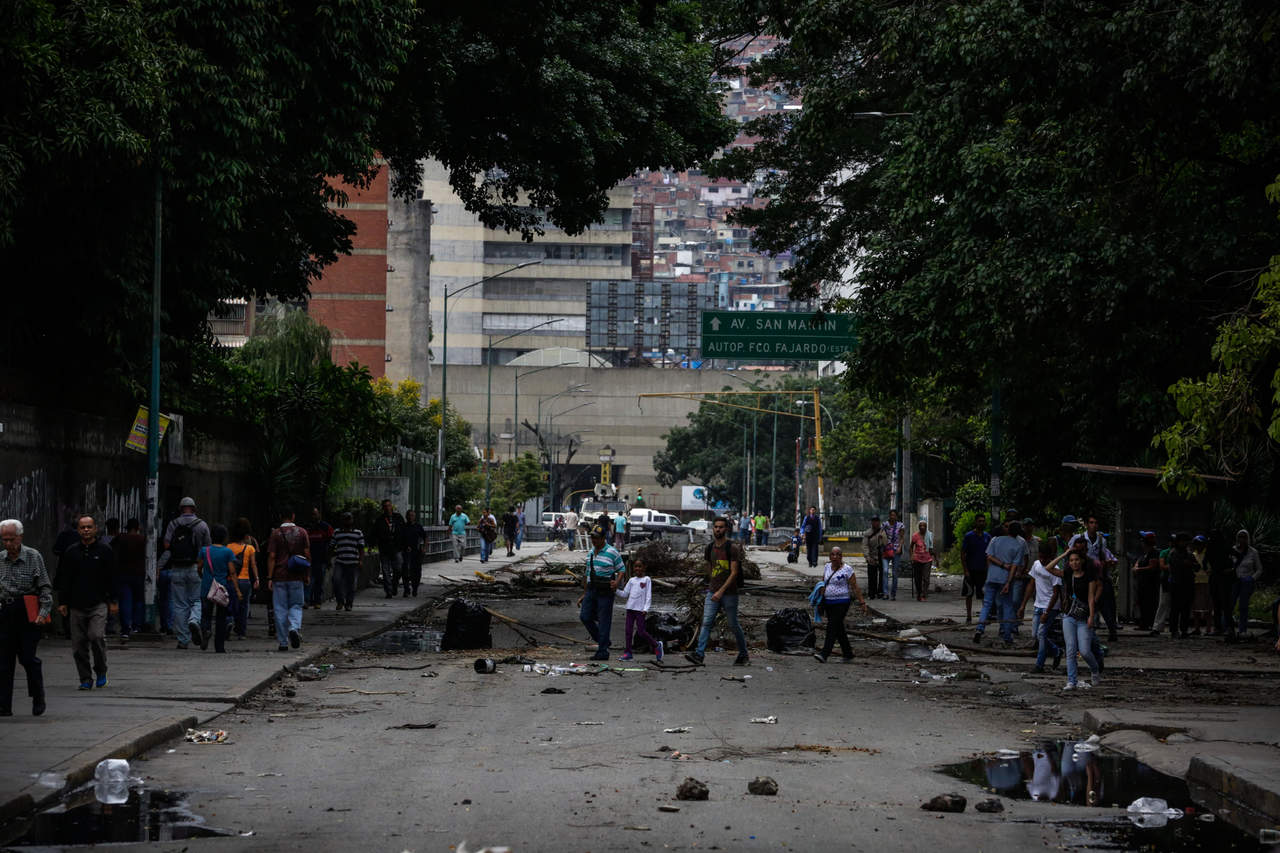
{"x": 638, "y": 595}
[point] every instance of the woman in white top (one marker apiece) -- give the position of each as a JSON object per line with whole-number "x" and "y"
{"x": 841, "y": 586}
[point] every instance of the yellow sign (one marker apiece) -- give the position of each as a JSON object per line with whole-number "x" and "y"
{"x": 137, "y": 439}
{"x": 606, "y": 472}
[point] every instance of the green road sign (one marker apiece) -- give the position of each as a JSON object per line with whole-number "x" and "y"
{"x": 751, "y": 335}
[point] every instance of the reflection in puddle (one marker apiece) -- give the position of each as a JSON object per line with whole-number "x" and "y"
{"x": 1079, "y": 773}
{"x": 81, "y": 819}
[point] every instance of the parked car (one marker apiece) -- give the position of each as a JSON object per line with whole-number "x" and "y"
{"x": 699, "y": 525}
{"x": 653, "y": 524}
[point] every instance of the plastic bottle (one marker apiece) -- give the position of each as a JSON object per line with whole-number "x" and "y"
{"x": 111, "y": 781}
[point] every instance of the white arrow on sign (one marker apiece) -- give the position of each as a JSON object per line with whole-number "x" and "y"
{"x": 715, "y": 324}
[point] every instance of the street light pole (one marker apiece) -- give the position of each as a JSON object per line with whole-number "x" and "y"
{"x": 488, "y": 403}
{"x": 444, "y": 380}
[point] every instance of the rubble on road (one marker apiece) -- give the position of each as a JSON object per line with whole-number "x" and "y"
{"x": 692, "y": 789}
{"x": 945, "y": 803}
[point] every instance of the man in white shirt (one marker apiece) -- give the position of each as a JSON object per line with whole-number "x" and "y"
{"x": 1046, "y": 590}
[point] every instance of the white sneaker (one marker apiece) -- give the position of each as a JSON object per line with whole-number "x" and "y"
{"x": 1084, "y": 685}
{"x": 1068, "y": 686}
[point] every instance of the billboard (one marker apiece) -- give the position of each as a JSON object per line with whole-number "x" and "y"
{"x": 695, "y": 498}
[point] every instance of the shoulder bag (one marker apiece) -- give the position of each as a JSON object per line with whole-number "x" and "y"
{"x": 217, "y": 592}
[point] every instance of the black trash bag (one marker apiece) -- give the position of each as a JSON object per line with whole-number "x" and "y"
{"x": 789, "y": 630}
{"x": 467, "y": 627}
{"x": 666, "y": 628}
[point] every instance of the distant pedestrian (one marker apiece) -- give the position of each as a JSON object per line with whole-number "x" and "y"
{"x": 761, "y": 523}
{"x": 414, "y": 538}
{"x": 724, "y": 570}
{"x": 217, "y": 563}
{"x": 873, "y": 546}
{"x": 1096, "y": 547}
{"x": 637, "y": 596}
{"x": 488, "y": 534}
{"x": 388, "y": 537}
{"x": 620, "y": 531}
{"x": 520, "y": 522}
{"x": 130, "y": 549}
{"x": 1248, "y": 566}
{"x": 923, "y": 556}
{"x": 348, "y": 548}
{"x": 841, "y": 586}
{"x": 1146, "y": 572}
{"x": 745, "y": 526}
{"x": 289, "y": 577}
{"x": 794, "y": 545}
{"x": 183, "y": 539}
{"x": 510, "y": 526}
{"x": 811, "y": 527}
{"x": 973, "y": 562}
{"x": 1201, "y": 601}
{"x": 86, "y": 592}
{"x": 245, "y": 550}
{"x": 22, "y": 574}
{"x": 1045, "y": 590}
{"x": 1164, "y": 607}
{"x": 1021, "y": 579}
{"x": 458, "y": 531}
{"x": 1004, "y": 555}
{"x": 571, "y": 529}
{"x": 320, "y": 532}
{"x": 604, "y": 571}
{"x": 1182, "y": 581}
{"x": 895, "y": 533}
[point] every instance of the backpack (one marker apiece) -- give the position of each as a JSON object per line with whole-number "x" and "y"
{"x": 182, "y": 547}
{"x": 733, "y": 550}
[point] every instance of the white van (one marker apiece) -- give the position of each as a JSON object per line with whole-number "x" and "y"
{"x": 652, "y": 516}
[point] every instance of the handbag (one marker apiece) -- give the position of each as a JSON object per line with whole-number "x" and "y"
{"x": 217, "y": 592}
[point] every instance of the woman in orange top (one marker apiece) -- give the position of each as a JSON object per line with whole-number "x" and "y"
{"x": 245, "y": 548}
{"x": 922, "y": 558}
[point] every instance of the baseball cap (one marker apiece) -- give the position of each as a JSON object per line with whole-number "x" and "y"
{"x": 1027, "y": 521}
{"x": 598, "y": 530}
{"x": 186, "y": 502}
{"x": 1069, "y": 519}
{"x": 1199, "y": 537}
{"x": 1147, "y": 534}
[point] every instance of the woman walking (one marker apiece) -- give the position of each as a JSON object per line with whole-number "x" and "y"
{"x": 1081, "y": 586}
{"x": 217, "y": 564}
{"x": 841, "y": 586}
{"x": 922, "y": 558}
{"x": 245, "y": 549}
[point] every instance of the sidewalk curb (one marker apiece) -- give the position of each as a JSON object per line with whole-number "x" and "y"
{"x": 1239, "y": 787}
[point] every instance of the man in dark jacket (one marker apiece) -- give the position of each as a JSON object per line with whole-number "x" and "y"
{"x": 388, "y": 538}
{"x": 811, "y": 527}
{"x": 86, "y": 592}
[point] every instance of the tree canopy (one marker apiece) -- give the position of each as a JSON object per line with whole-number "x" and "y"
{"x": 1069, "y": 195}
{"x": 251, "y": 114}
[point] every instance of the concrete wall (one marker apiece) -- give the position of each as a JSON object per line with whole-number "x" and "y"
{"x": 57, "y": 464}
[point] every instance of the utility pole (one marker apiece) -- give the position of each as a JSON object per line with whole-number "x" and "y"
{"x": 153, "y": 417}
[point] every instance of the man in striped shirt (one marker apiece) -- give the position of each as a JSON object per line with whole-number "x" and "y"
{"x": 605, "y": 571}
{"x": 347, "y": 546}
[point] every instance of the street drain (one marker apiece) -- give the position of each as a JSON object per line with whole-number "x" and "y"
{"x": 1082, "y": 774}
{"x": 402, "y": 641}
{"x": 81, "y": 819}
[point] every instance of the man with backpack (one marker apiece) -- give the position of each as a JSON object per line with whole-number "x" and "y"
{"x": 183, "y": 539}
{"x": 724, "y": 571}
{"x": 289, "y": 560}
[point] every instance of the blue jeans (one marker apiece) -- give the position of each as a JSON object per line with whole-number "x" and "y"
{"x": 889, "y": 577}
{"x": 344, "y": 582}
{"x": 184, "y": 601}
{"x": 315, "y": 592}
{"x": 287, "y": 598}
{"x": 597, "y": 616}
{"x": 133, "y": 610}
{"x": 1042, "y": 634}
{"x": 163, "y": 584}
{"x": 992, "y": 595}
{"x": 486, "y": 548}
{"x": 1079, "y": 637}
{"x": 241, "y": 607}
{"x": 392, "y": 568}
{"x": 1016, "y": 590}
{"x": 519, "y": 537}
{"x": 1242, "y": 591}
{"x": 710, "y": 607}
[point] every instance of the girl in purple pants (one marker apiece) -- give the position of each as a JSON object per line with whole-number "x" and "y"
{"x": 638, "y": 595}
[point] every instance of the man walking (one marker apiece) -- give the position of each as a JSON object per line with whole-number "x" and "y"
{"x": 973, "y": 561}
{"x": 895, "y": 533}
{"x": 762, "y": 528}
{"x": 745, "y": 524}
{"x": 605, "y": 570}
{"x": 811, "y": 527}
{"x": 571, "y": 529}
{"x": 183, "y": 539}
{"x": 320, "y": 532}
{"x": 620, "y": 531}
{"x": 348, "y": 547}
{"x": 724, "y": 568}
{"x": 510, "y": 526}
{"x": 289, "y": 577}
{"x": 130, "y": 549}
{"x": 488, "y": 534}
{"x": 1096, "y": 547}
{"x": 388, "y": 536}
{"x": 22, "y": 573}
{"x": 458, "y": 531}
{"x": 1006, "y": 555}
{"x": 86, "y": 592}
{"x": 873, "y": 549}
{"x": 520, "y": 520}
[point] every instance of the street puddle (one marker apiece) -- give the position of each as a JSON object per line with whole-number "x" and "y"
{"x": 1082, "y": 774}
{"x": 81, "y": 819}
{"x": 402, "y": 641}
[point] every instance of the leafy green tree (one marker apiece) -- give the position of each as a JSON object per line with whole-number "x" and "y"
{"x": 251, "y": 113}
{"x": 1055, "y": 211}
{"x": 515, "y": 481}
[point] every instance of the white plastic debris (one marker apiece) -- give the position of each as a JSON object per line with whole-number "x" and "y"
{"x": 909, "y": 633}
{"x": 111, "y": 781}
{"x": 677, "y": 730}
{"x": 1151, "y": 812}
{"x": 924, "y": 673}
{"x": 944, "y": 654}
{"x": 768, "y": 721}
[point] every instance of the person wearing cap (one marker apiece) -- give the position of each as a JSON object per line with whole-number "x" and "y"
{"x": 1146, "y": 573}
{"x": 605, "y": 571}
{"x": 1067, "y": 531}
{"x": 1248, "y": 566}
{"x": 183, "y": 539}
